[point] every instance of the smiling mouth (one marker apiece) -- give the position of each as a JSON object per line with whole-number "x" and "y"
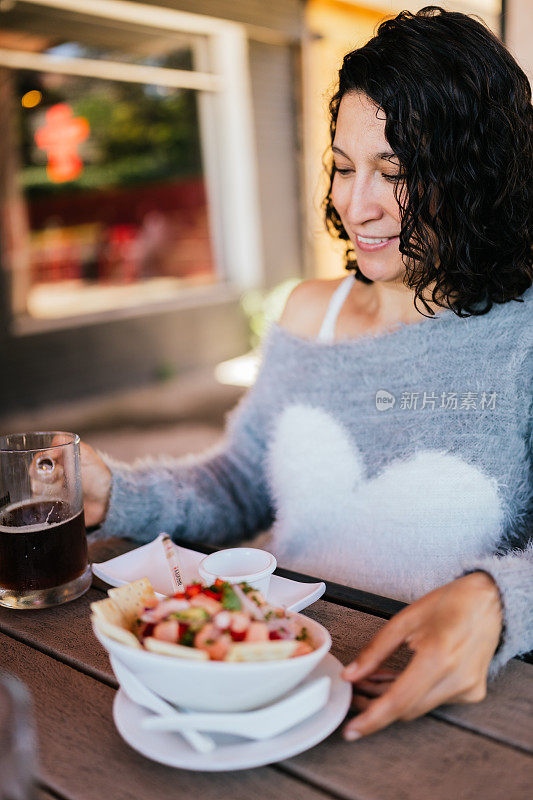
{"x": 375, "y": 239}
{"x": 373, "y": 242}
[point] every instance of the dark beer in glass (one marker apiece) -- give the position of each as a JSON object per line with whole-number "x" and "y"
{"x": 43, "y": 545}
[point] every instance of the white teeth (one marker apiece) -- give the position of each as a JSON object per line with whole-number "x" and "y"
{"x": 368, "y": 240}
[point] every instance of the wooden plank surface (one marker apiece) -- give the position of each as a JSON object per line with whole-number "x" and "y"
{"x": 505, "y": 715}
{"x": 65, "y": 633}
{"x": 420, "y": 760}
{"x": 431, "y": 757}
{"x": 82, "y": 757}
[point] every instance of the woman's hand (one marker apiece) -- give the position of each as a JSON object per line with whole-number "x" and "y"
{"x": 96, "y": 483}
{"x": 453, "y": 631}
{"x": 95, "y": 479}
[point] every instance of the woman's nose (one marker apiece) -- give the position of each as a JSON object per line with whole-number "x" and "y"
{"x": 363, "y": 204}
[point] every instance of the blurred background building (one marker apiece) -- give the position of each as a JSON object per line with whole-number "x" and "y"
{"x": 158, "y": 162}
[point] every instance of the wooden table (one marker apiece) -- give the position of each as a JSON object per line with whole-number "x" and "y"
{"x": 455, "y": 753}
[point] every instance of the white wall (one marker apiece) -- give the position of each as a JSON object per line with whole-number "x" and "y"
{"x": 519, "y": 33}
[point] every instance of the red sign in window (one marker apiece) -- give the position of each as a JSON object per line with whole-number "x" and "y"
{"x": 60, "y": 137}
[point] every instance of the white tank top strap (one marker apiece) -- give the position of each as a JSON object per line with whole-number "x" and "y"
{"x": 327, "y": 330}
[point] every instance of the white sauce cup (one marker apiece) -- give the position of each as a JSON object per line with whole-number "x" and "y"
{"x": 237, "y": 564}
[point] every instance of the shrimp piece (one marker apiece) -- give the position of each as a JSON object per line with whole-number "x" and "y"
{"x": 167, "y": 631}
{"x": 209, "y": 604}
{"x": 240, "y": 622}
{"x": 219, "y": 649}
{"x": 206, "y": 637}
{"x": 302, "y": 649}
{"x": 163, "y": 609}
{"x": 257, "y": 632}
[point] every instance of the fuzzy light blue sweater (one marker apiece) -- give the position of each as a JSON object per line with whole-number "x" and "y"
{"x": 392, "y": 463}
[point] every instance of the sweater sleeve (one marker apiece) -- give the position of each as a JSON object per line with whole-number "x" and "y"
{"x": 216, "y": 497}
{"x": 513, "y": 571}
{"x": 513, "y": 574}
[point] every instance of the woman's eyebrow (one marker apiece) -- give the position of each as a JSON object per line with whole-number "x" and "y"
{"x": 386, "y": 155}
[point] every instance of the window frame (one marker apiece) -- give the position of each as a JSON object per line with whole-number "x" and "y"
{"x": 226, "y": 135}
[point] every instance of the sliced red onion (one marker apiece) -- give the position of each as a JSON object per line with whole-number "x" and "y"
{"x": 247, "y": 604}
{"x": 163, "y": 609}
{"x": 222, "y": 620}
{"x": 282, "y": 627}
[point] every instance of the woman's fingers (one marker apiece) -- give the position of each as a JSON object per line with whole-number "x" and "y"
{"x": 361, "y": 703}
{"x": 444, "y": 692}
{"x": 385, "y": 642}
{"x": 384, "y": 675}
{"x": 404, "y": 693}
{"x": 451, "y": 689}
{"x": 453, "y": 632}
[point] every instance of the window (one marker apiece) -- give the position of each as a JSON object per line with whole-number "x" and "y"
{"x": 128, "y": 169}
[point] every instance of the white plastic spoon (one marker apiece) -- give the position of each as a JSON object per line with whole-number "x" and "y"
{"x": 263, "y": 723}
{"x": 143, "y": 696}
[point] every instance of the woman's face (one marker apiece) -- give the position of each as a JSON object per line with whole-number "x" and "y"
{"x": 363, "y": 192}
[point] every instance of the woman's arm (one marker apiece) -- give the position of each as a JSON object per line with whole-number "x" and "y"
{"x": 217, "y": 496}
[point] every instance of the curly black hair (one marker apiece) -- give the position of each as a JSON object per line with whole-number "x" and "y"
{"x": 460, "y": 120}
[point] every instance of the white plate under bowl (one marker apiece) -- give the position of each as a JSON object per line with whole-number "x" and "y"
{"x": 235, "y": 752}
{"x": 149, "y": 561}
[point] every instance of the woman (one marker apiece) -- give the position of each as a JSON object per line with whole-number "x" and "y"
{"x": 391, "y": 448}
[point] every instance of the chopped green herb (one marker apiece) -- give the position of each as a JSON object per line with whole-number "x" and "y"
{"x": 193, "y": 616}
{"x": 269, "y": 614}
{"x": 209, "y": 641}
{"x": 302, "y": 635}
{"x": 230, "y": 601}
{"x": 246, "y": 587}
{"x": 256, "y": 601}
{"x": 187, "y": 638}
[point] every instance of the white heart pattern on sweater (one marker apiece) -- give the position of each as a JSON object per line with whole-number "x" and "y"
{"x": 412, "y": 527}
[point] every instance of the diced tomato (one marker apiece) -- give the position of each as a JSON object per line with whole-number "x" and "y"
{"x": 238, "y": 636}
{"x": 145, "y": 629}
{"x": 274, "y": 635}
{"x": 193, "y": 589}
{"x": 219, "y": 582}
{"x": 180, "y": 596}
{"x": 209, "y": 593}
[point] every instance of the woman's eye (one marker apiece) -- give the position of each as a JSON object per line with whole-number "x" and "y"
{"x": 345, "y": 171}
{"x": 388, "y": 177}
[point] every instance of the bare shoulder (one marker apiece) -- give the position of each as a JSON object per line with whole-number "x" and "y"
{"x": 306, "y": 307}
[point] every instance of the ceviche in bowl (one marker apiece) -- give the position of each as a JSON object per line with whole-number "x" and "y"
{"x": 220, "y": 647}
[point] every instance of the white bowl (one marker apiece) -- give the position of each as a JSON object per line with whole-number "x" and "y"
{"x": 220, "y": 685}
{"x": 237, "y": 564}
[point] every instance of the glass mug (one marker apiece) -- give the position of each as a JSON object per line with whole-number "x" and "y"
{"x": 43, "y": 545}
